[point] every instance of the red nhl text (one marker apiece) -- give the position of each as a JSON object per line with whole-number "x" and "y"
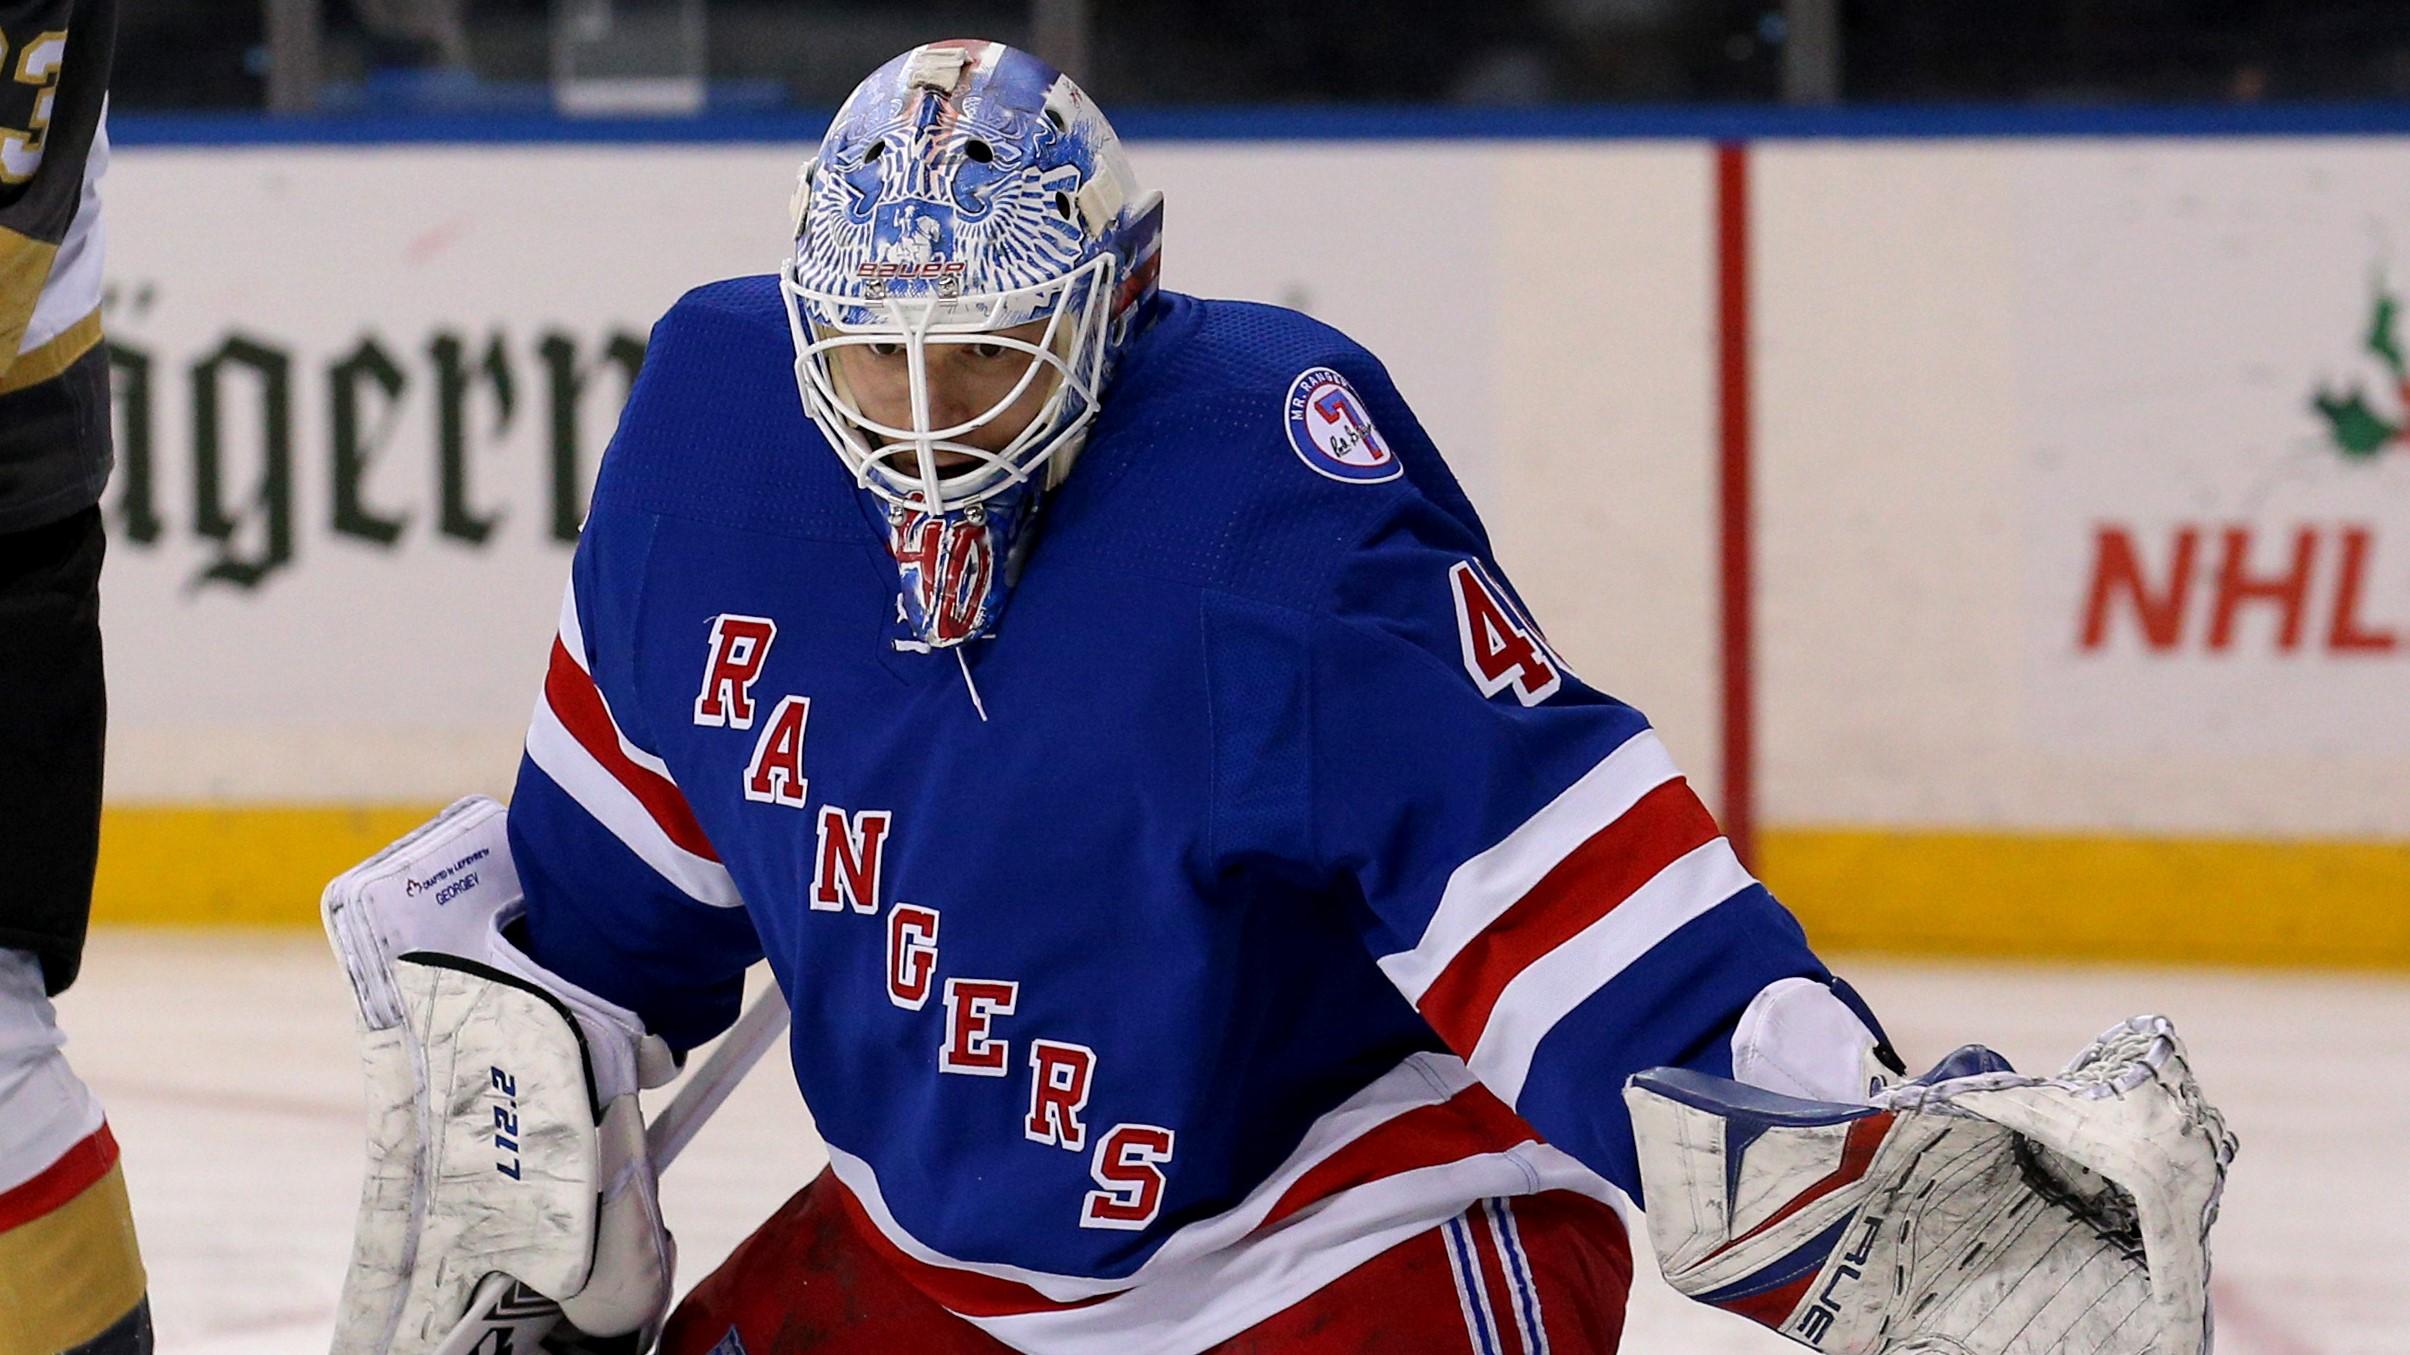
{"x": 2201, "y": 588}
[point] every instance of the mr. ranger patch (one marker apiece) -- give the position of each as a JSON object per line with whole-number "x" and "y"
{"x": 1333, "y": 433}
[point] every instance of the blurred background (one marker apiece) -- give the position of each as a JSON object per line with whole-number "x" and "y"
{"x": 1974, "y": 432}
{"x": 401, "y": 55}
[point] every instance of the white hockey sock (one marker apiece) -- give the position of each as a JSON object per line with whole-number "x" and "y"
{"x": 71, "y": 1276}
{"x": 44, "y": 1108}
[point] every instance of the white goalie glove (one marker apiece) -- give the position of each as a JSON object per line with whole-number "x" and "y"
{"x": 505, "y": 1143}
{"x": 1970, "y": 1212}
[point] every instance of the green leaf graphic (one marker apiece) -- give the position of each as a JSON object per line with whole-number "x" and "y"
{"x": 2357, "y": 428}
{"x": 2380, "y": 336}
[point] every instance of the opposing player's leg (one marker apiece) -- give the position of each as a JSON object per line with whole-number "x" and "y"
{"x": 53, "y": 710}
{"x": 70, "y": 1276}
{"x": 69, "y": 1271}
{"x": 1507, "y": 1277}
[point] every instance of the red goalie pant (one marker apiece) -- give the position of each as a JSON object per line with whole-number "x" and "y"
{"x": 1543, "y": 1273}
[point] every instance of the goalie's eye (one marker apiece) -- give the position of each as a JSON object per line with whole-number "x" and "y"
{"x": 990, "y": 352}
{"x": 885, "y": 350}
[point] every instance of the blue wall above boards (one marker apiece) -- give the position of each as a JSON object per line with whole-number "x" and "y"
{"x": 1330, "y": 123}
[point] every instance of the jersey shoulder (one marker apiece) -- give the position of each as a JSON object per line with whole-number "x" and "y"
{"x": 713, "y": 428}
{"x": 1253, "y": 449}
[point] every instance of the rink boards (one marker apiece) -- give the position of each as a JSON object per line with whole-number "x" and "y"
{"x": 2077, "y": 524}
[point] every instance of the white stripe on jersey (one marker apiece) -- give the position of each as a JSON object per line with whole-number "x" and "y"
{"x": 573, "y": 639}
{"x": 1482, "y": 889}
{"x": 1535, "y": 1000}
{"x": 608, "y": 799}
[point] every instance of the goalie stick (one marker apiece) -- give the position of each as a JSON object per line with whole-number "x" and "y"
{"x": 507, "y": 1318}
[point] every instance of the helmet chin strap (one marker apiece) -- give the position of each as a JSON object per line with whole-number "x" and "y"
{"x": 963, "y": 662}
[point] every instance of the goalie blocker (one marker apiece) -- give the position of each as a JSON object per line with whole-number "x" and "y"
{"x": 505, "y": 1138}
{"x": 1972, "y": 1210}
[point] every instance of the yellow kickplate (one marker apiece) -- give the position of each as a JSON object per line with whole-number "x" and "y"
{"x": 235, "y": 865}
{"x": 64, "y": 1277}
{"x": 2069, "y": 896}
{"x": 1910, "y": 892}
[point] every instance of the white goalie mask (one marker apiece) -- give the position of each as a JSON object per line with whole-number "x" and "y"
{"x": 964, "y": 190}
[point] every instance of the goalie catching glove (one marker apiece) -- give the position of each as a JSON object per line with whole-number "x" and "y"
{"x": 1972, "y": 1211}
{"x": 504, "y": 1134}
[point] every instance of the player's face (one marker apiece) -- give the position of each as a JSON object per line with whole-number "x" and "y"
{"x": 965, "y": 381}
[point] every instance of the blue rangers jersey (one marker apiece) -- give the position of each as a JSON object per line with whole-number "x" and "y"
{"x": 1263, "y": 893}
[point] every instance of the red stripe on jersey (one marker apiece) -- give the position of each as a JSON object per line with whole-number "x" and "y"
{"x": 1857, "y": 1154}
{"x": 578, "y": 704}
{"x": 1591, "y": 882}
{"x": 1492, "y": 1268}
{"x": 1468, "y": 1124}
{"x": 968, "y": 1293}
{"x": 61, "y": 1181}
{"x": 1773, "y": 1307}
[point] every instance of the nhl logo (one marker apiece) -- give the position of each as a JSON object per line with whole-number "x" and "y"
{"x": 1333, "y": 433}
